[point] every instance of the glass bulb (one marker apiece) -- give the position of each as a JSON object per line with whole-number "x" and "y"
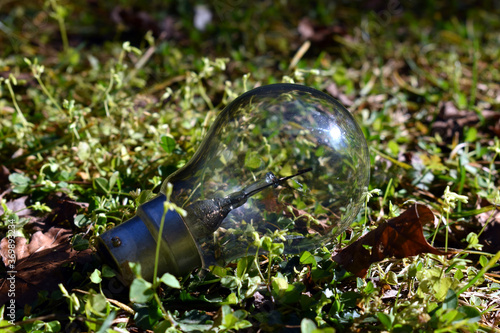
{"x": 284, "y": 161}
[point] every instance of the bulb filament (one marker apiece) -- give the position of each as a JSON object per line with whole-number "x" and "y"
{"x": 270, "y": 180}
{"x": 205, "y": 216}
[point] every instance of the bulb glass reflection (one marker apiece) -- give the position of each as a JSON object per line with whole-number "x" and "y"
{"x": 275, "y": 130}
{"x": 284, "y": 161}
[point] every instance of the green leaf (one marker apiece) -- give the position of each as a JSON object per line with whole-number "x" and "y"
{"x": 350, "y": 298}
{"x": 243, "y": 266}
{"x": 280, "y": 285}
{"x": 41, "y": 207}
{"x": 320, "y": 151}
{"x": 483, "y": 260}
{"x": 471, "y": 313}
{"x": 414, "y": 269}
{"x": 308, "y": 259}
{"x": 95, "y": 277}
{"x": 107, "y": 272}
{"x": 459, "y": 275}
{"x": 286, "y": 170}
{"x": 231, "y": 282}
{"x": 113, "y": 179}
{"x": 472, "y": 239}
{"x": 391, "y": 278}
{"x": 167, "y": 142}
{"x": 471, "y": 135}
{"x": 369, "y": 288}
{"x": 233, "y": 320}
{"x": 144, "y": 196}
{"x": 231, "y": 299}
{"x": 433, "y": 162}
{"x": 163, "y": 326}
{"x": 267, "y": 243}
{"x": 79, "y": 243}
{"x": 277, "y": 248}
{"x": 141, "y": 291}
{"x": 441, "y": 287}
{"x": 219, "y": 271}
{"x": 170, "y": 281}
{"x": 21, "y": 182}
{"x": 83, "y": 151}
{"x": 107, "y": 323}
{"x": 461, "y": 100}
{"x": 252, "y": 160}
{"x": 451, "y": 300}
{"x": 53, "y": 326}
{"x": 136, "y": 268}
{"x": 81, "y": 221}
{"x": 146, "y": 315}
{"x": 385, "y": 319}
{"x": 101, "y": 184}
{"x": 393, "y": 147}
{"x": 96, "y": 304}
{"x": 253, "y": 284}
{"x": 307, "y": 326}
{"x": 450, "y": 316}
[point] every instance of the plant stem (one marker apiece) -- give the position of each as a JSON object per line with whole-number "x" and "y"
{"x": 481, "y": 273}
{"x": 492, "y": 164}
{"x": 158, "y": 244}
{"x": 47, "y": 93}
{"x": 436, "y": 231}
{"x": 64, "y": 36}
{"x": 446, "y": 233}
{"x": 16, "y": 106}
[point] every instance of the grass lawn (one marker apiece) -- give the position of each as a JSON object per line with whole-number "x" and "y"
{"x": 100, "y": 102}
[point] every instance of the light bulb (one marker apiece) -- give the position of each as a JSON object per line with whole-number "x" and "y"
{"x": 284, "y": 161}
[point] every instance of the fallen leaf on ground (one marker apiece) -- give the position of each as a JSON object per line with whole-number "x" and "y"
{"x": 41, "y": 265}
{"x": 490, "y": 237}
{"x": 64, "y": 210}
{"x": 141, "y": 21}
{"x": 309, "y": 30}
{"x": 399, "y": 237}
{"x": 20, "y": 249}
{"x": 39, "y": 242}
{"x": 18, "y": 206}
{"x": 334, "y": 90}
{"x": 451, "y": 120}
{"x": 46, "y": 260}
{"x": 4, "y": 178}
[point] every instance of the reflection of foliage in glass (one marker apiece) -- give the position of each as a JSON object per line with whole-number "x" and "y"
{"x": 280, "y": 133}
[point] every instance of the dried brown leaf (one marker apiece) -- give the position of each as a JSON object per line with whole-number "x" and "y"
{"x": 309, "y": 30}
{"x": 41, "y": 265}
{"x": 18, "y": 206}
{"x": 450, "y": 120}
{"x": 490, "y": 237}
{"x": 399, "y": 237}
{"x": 4, "y": 177}
{"x": 334, "y": 90}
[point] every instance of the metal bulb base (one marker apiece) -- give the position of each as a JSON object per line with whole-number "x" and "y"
{"x": 136, "y": 241}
